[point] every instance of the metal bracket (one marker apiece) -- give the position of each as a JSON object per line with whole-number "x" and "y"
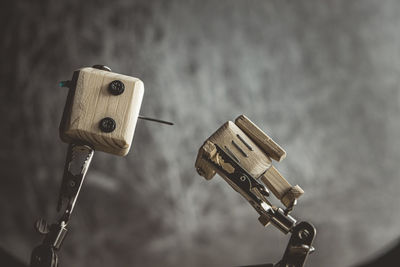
{"x": 241, "y": 181}
{"x": 254, "y": 192}
{"x": 77, "y": 163}
{"x": 76, "y": 166}
{"x": 302, "y": 234}
{"x": 299, "y": 246}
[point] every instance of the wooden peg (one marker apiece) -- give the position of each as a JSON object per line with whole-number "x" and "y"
{"x": 102, "y": 110}
{"x": 280, "y": 187}
{"x": 293, "y": 194}
{"x": 260, "y": 138}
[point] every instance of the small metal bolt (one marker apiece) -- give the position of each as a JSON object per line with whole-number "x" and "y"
{"x": 116, "y": 87}
{"x": 107, "y": 125}
{"x": 304, "y": 234}
{"x": 101, "y": 67}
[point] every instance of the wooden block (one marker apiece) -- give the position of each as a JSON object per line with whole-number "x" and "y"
{"x": 280, "y": 187}
{"x": 294, "y": 193}
{"x": 204, "y": 168}
{"x": 208, "y": 153}
{"x": 260, "y": 138}
{"x": 90, "y": 101}
{"x": 275, "y": 182}
{"x": 237, "y": 144}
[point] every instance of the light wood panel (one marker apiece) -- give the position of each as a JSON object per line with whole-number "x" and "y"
{"x": 260, "y": 138}
{"x": 280, "y": 187}
{"x": 275, "y": 182}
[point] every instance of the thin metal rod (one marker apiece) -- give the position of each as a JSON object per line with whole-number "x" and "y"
{"x": 156, "y": 120}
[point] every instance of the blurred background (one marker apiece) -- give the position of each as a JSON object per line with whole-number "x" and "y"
{"x": 320, "y": 77}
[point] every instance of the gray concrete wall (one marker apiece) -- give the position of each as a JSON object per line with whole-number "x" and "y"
{"x": 321, "y": 77}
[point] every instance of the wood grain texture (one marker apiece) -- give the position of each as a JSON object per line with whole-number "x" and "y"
{"x": 91, "y": 101}
{"x": 204, "y": 168}
{"x": 294, "y": 193}
{"x": 276, "y": 182}
{"x": 208, "y": 152}
{"x": 280, "y": 187}
{"x": 260, "y": 138}
{"x": 235, "y": 142}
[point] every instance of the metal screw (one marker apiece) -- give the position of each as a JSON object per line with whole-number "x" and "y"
{"x": 116, "y": 87}
{"x": 107, "y": 125}
{"x": 304, "y": 234}
{"x": 243, "y": 178}
{"x": 101, "y": 67}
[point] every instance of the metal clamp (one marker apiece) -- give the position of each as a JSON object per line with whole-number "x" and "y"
{"x": 299, "y": 246}
{"x": 76, "y": 166}
{"x": 302, "y": 234}
{"x": 254, "y": 192}
{"x": 77, "y": 163}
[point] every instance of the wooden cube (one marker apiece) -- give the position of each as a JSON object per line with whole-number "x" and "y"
{"x": 102, "y": 110}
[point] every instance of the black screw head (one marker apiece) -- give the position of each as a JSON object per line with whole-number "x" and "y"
{"x": 107, "y": 125}
{"x": 116, "y": 87}
{"x": 304, "y": 234}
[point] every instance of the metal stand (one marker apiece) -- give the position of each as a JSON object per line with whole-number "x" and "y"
{"x": 302, "y": 234}
{"x": 76, "y": 166}
{"x": 298, "y": 248}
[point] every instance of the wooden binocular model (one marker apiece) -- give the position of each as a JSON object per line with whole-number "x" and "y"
{"x": 102, "y": 109}
{"x": 251, "y": 150}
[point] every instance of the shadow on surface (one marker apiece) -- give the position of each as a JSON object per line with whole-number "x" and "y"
{"x": 6, "y": 259}
{"x": 389, "y": 258}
